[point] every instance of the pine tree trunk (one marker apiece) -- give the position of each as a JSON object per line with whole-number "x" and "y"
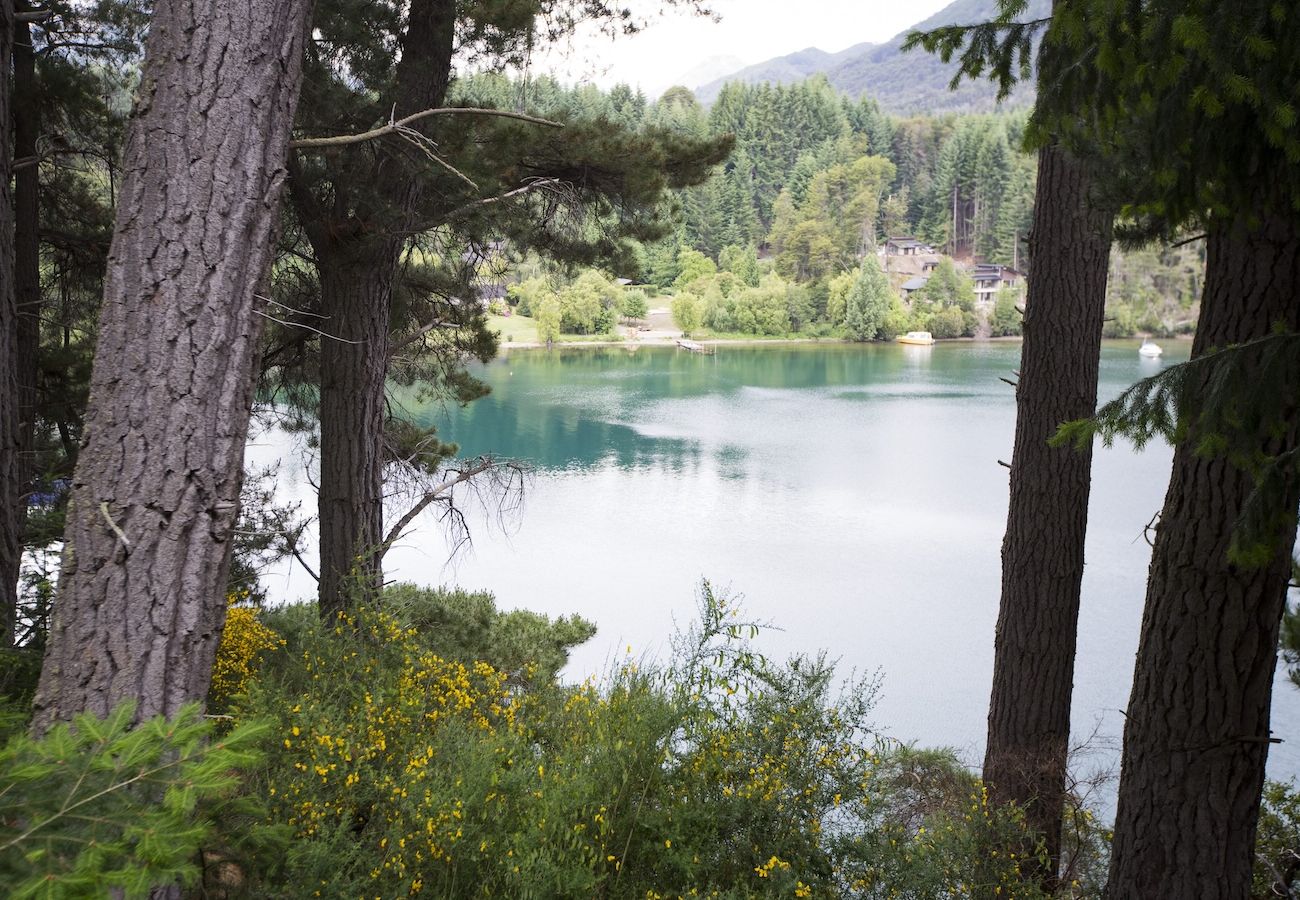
{"x": 156, "y": 490}
{"x": 1197, "y": 730}
{"x": 10, "y": 489}
{"x": 357, "y": 256}
{"x": 1043, "y": 550}
{"x": 355, "y": 294}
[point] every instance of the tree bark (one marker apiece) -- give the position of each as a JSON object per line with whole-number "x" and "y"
{"x": 357, "y": 255}
{"x": 1047, "y": 517}
{"x": 10, "y": 491}
{"x": 156, "y": 490}
{"x": 355, "y": 297}
{"x": 1197, "y": 730}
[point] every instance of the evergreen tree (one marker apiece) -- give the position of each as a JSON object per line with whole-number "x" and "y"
{"x": 1193, "y": 99}
{"x": 10, "y": 478}
{"x": 444, "y": 186}
{"x": 868, "y": 302}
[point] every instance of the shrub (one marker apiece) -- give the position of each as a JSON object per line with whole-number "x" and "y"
{"x": 1277, "y": 846}
{"x": 687, "y": 312}
{"x": 947, "y": 323}
{"x": 403, "y": 769}
{"x": 101, "y": 806}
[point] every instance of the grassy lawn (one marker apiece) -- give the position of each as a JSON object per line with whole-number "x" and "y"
{"x": 519, "y": 329}
{"x": 514, "y": 329}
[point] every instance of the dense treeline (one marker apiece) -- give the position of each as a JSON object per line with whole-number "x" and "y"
{"x": 816, "y": 181}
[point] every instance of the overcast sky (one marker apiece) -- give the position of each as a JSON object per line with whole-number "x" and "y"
{"x": 750, "y": 31}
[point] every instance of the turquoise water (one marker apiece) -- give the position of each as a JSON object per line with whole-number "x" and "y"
{"x": 852, "y": 494}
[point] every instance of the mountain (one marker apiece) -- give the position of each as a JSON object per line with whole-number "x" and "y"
{"x": 782, "y": 70}
{"x": 903, "y": 83}
{"x": 711, "y": 69}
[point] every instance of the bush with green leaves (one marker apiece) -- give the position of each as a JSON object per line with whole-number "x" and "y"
{"x": 424, "y": 746}
{"x": 687, "y": 312}
{"x": 1006, "y": 320}
{"x": 100, "y": 806}
{"x": 634, "y": 305}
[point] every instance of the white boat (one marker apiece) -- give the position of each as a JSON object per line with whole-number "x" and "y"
{"x": 1149, "y": 350}
{"x": 917, "y": 337}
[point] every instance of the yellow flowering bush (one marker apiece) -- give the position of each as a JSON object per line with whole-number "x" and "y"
{"x": 243, "y": 641}
{"x": 405, "y": 767}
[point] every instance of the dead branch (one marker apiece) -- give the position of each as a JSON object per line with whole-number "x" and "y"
{"x": 501, "y": 484}
{"x": 402, "y": 125}
{"x": 489, "y": 201}
{"x": 482, "y": 464}
{"x": 287, "y": 324}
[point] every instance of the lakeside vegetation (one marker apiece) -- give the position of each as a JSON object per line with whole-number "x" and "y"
{"x": 166, "y": 730}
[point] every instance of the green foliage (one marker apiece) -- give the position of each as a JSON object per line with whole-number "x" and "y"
{"x": 1120, "y": 322}
{"x": 1001, "y": 50}
{"x": 527, "y": 294}
{"x": 404, "y": 765}
{"x": 948, "y": 322}
{"x": 633, "y": 304}
{"x": 687, "y": 312}
{"x": 868, "y": 302}
{"x": 1277, "y": 861}
{"x": 764, "y": 309}
{"x": 590, "y": 304}
{"x": 837, "y": 297}
{"x": 101, "y": 806}
{"x": 468, "y": 626}
{"x": 548, "y": 317}
{"x": 692, "y": 265}
{"x": 896, "y": 320}
{"x": 1006, "y": 319}
{"x": 835, "y": 222}
{"x": 948, "y": 287}
{"x": 741, "y": 262}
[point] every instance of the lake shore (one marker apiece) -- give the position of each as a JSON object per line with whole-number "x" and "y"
{"x": 730, "y": 342}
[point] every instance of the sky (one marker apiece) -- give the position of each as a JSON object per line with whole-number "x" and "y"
{"x": 750, "y": 31}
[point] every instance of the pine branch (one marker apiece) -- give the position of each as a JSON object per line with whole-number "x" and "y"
{"x": 1001, "y": 50}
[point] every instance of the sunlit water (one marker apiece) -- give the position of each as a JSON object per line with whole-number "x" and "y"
{"x": 852, "y": 494}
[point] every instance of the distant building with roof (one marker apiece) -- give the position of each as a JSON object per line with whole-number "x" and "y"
{"x": 907, "y": 245}
{"x": 989, "y": 279}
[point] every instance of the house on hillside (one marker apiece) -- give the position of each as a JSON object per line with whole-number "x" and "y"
{"x": 906, "y": 245}
{"x": 989, "y": 279}
{"x": 907, "y": 257}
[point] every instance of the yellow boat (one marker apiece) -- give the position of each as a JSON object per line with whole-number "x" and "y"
{"x": 923, "y": 338}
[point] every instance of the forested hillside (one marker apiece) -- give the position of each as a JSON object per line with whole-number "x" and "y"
{"x": 816, "y": 181}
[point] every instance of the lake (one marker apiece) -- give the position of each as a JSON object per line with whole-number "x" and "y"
{"x": 851, "y": 494}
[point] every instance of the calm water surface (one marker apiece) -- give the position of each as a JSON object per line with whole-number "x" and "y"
{"x": 852, "y": 494}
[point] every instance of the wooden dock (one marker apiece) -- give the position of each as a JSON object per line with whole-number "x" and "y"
{"x": 694, "y": 346}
